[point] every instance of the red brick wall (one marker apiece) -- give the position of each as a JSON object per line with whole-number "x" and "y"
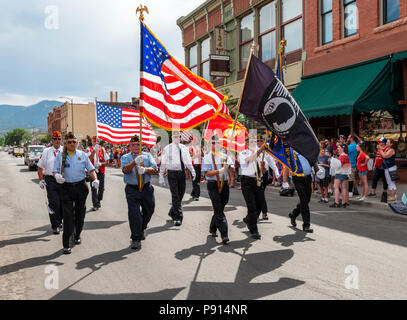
{"x": 214, "y": 18}
{"x": 188, "y": 35}
{"x": 240, "y": 5}
{"x": 200, "y": 27}
{"x": 368, "y": 46}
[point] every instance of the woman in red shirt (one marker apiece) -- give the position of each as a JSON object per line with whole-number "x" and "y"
{"x": 361, "y": 165}
{"x": 342, "y": 172}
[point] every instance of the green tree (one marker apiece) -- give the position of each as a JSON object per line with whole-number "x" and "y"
{"x": 18, "y": 135}
{"x": 45, "y": 139}
{"x": 2, "y": 141}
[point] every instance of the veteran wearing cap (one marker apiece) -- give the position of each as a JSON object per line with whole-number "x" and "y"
{"x": 48, "y": 182}
{"x": 137, "y": 169}
{"x": 216, "y": 169}
{"x": 69, "y": 171}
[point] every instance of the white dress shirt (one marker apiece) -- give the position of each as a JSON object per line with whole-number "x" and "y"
{"x": 270, "y": 164}
{"x": 47, "y": 159}
{"x": 171, "y": 161}
{"x": 248, "y": 169}
{"x": 197, "y": 157}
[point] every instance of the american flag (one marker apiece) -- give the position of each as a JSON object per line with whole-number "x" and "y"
{"x": 117, "y": 125}
{"x": 171, "y": 96}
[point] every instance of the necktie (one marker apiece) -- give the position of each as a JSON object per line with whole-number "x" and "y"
{"x": 180, "y": 159}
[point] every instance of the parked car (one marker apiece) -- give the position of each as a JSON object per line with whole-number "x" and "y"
{"x": 18, "y": 151}
{"x": 11, "y": 150}
{"x": 6, "y": 149}
{"x": 32, "y": 156}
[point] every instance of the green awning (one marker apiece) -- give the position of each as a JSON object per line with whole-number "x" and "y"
{"x": 399, "y": 56}
{"x": 362, "y": 87}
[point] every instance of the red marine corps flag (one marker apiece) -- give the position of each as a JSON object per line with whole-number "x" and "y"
{"x": 171, "y": 96}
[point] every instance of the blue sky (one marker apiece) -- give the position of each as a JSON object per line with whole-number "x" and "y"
{"x": 79, "y": 48}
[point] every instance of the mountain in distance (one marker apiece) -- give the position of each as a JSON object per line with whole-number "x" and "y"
{"x": 26, "y": 117}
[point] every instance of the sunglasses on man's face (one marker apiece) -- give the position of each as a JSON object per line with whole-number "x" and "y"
{"x": 71, "y": 142}
{"x": 57, "y": 139}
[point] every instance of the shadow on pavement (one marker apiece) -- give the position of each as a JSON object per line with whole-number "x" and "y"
{"x": 37, "y": 181}
{"x": 31, "y": 263}
{"x": 27, "y": 239}
{"x": 289, "y": 239}
{"x": 97, "y": 262}
{"x": 166, "y": 227}
{"x": 166, "y": 294}
{"x": 89, "y": 225}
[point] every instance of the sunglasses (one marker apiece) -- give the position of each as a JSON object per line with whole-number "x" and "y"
{"x": 57, "y": 139}
{"x": 71, "y": 142}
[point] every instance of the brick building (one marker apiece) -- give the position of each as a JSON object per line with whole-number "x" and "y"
{"x": 54, "y": 120}
{"x": 242, "y": 22}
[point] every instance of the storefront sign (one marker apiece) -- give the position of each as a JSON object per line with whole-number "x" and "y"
{"x": 220, "y": 40}
{"x": 219, "y": 65}
{"x": 386, "y": 124}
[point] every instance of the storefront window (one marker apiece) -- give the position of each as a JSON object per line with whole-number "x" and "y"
{"x": 267, "y": 33}
{"x": 205, "y": 51}
{"x": 326, "y": 21}
{"x": 193, "y": 58}
{"x": 292, "y": 24}
{"x": 350, "y": 17}
{"x": 246, "y": 38}
{"x": 390, "y": 10}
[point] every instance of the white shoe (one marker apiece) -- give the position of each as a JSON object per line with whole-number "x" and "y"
{"x": 362, "y": 198}
{"x": 350, "y": 194}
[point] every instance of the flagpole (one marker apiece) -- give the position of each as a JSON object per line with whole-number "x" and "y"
{"x": 141, "y": 9}
{"x": 238, "y": 104}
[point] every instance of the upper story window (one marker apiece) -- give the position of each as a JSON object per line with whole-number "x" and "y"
{"x": 326, "y": 21}
{"x": 350, "y": 18}
{"x": 292, "y": 24}
{"x": 205, "y": 51}
{"x": 246, "y": 39}
{"x": 193, "y": 59}
{"x": 390, "y": 10}
{"x": 267, "y": 31}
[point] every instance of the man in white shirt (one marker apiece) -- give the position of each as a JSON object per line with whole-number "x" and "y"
{"x": 99, "y": 158}
{"x": 47, "y": 181}
{"x": 174, "y": 160}
{"x": 269, "y": 163}
{"x": 195, "y": 151}
{"x": 251, "y": 172}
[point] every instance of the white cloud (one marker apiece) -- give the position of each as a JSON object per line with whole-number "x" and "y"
{"x": 95, "y": 49}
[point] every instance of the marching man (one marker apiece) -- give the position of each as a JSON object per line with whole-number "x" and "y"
{"x": 175, "y": 159}
{"x": 48, "y": 182}
{"x": 137, "y": 170}
{"x": 216, "y": 172}
{"x": 69, "y": 171}
{"x": 99, "y": 158}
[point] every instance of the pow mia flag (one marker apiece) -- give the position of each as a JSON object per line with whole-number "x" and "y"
{"x": 266, "y": 100}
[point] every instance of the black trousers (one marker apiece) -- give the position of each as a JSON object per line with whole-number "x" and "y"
{"x": 54, "y": 200}
{"x": 377, "y": 175}
{"x": 264, "y": 183}
{"x": 73, "y": 197}
{"x": 219, "y": 201}
{"x": 254, "y": 197}
{"x": 176, "y": 181}
{"x": 196, "y": 190}
{"x": 97, "y": 194}
{"x": 141, "y": 207}
{"x": 304, "y": 191}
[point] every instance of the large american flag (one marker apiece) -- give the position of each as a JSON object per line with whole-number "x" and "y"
{"x": 171, "y": 96}
{"x": 117, "y": 125}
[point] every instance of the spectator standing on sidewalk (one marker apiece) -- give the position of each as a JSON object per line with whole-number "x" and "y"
{"x": 323, "y": 162}
{"x": 379, "y": 171}
{"x": 353, "y": 156}
{"x": 361, "y": 165}
{"x": 342, "y": 177}
{"x": 389, "y": 164}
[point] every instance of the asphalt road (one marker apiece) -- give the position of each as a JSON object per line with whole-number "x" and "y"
{"x": 354, "y": 253}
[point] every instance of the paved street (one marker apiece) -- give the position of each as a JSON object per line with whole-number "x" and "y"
{"x": 184, "y": 262}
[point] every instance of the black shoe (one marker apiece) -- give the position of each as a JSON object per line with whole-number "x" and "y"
{"x": 55, "y": 230}
{"x": 335, "y": 205}
{"x": 345, "y": 205}
{"x": 384, "y": 197}
{"x": 225, "y": 240}
{"x": 196, "y": 199}
{"x": 135, "y": 245}
{"x": 78, "y": 241}
{"x": 293, "y": 223}
{"x": 95, "y": 208}
{"x": 61, "y": 227}
{"x": 246, "y": 221}
{"x": 67, "y": 250}
{"x": 308, "y": 230}
{"x": 256, "y": 235}
{"x": 177, "y": 223}
{"x": 265, "y": 217}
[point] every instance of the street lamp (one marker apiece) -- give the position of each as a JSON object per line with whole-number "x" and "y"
{"x": 71, "y": 100}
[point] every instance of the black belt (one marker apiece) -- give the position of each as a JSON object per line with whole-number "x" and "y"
{"x": 136, "y": 185}
{"x": 251, "y": 178}
{"x": 71, "y": 184}
{"x": 175, "y": 170}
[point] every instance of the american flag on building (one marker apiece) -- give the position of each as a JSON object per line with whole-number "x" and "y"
{"x": 171, "y": 96}
{"x": 117, "y": 125}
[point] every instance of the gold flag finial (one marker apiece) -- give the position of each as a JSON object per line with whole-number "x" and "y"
{"x": 283, "y": 43}
{"x": 141, "y": 10}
